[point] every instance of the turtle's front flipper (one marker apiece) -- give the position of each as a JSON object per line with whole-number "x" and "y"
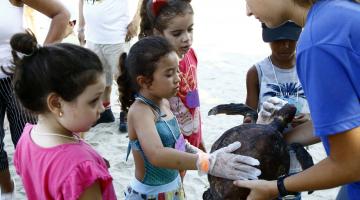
{"x": 303, "y": 157}
{"x": 234, "y": 109}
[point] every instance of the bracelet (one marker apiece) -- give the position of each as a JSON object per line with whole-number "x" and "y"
{"x": 81, "y": 30}
{"x": 281, "y": 187}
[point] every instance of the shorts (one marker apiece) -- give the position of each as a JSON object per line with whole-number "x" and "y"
{"x": 109, "y": 55}
{"x": 178, "y": 194}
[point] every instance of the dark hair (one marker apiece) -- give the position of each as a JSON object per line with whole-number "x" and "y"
{"x": 165, "y": 13}
{"x": 64, "y": 69}
{"x": 141, "y": 61}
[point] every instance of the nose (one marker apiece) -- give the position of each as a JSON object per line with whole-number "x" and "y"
{"x": 248, "y": 11}
{"x": 177, "y": 77}
{"x": 286, "y": 44}
{"x": 186, "y": 37}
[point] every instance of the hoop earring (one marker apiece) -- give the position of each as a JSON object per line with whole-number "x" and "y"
{"x": 60, "y": 114}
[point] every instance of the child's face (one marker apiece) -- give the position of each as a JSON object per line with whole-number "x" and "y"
{"x": 270, "y": 12}
{"x": 166, "y": 79}
{"x": 81, "y": 113}
{"x": 283, "y": 50}
{"x": 180, "y": 33}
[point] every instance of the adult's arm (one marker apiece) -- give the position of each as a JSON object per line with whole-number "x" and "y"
{"x": 134, "y": 25}
{"x": 59, "y": 18}
{"x": 81, "y": 25}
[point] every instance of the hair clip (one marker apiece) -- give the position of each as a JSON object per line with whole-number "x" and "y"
{"x": 156, "y": 6}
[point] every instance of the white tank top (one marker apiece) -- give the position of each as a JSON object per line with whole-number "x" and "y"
{"x": 11, "y": 22}
{"x": 282, "y": 83}
{"x": 106, "y": 21}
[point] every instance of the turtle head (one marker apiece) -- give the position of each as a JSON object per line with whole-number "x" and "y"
{"x": 284, "y": 116}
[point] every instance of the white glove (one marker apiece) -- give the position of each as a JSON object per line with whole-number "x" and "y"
{"x": 231, "y": 166}
{"x": 269, "y": 108}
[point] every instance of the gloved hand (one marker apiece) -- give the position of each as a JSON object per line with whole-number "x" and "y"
{"x": 224, "y": 164}
{"x": 269, "y": 108}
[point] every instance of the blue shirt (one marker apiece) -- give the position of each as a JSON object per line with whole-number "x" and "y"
{"x": 328, "y": 64}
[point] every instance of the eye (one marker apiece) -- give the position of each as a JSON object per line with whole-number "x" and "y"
{"x": 176, "y": 33}
{"x": 94, "y": 101}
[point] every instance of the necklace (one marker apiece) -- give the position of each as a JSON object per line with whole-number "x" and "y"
{"x": 73, "y": 137}
{"x": 277, "y": 81}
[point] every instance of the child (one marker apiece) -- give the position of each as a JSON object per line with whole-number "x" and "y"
{"x": 63, "y": 84}
{"x": 327, "y": 62}
{"x": 276, "y": 76}
{"x": 173, "y": 20}
{"x": 11, "y": 22}
{"x": 150, "y": 72}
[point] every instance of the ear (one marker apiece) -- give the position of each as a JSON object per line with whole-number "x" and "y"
{"x": 157, "y": 32}
{"x": 143, "y": 82}
{"x": 54, "y": 104}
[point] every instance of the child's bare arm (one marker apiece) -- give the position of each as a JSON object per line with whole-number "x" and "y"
{"x": 252, "y": 88}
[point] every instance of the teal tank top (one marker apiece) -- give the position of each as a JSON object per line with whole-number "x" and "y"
{"x": 169, "y": 132}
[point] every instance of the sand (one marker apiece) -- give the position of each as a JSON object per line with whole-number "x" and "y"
{"x": 225, "y": 53}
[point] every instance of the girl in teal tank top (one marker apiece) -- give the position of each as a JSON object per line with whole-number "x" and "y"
{"x": 150, "y": 73}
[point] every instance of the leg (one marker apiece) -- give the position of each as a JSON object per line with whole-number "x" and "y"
{"x": 112, "y": 54}
{"x": 107, "y": 116}
{"x": 5, "y": 179}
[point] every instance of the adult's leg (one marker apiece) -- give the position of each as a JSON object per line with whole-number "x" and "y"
{"x": 107, "y": 116}
{"x": 112, "y": 54}
{"x": 17, "y": 115}
{"x": 5, "y": 179}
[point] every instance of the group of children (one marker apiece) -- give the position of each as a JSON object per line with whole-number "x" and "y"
{"x": 64, "y": 85}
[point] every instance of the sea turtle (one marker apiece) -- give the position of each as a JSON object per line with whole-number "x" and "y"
{"x": 263, "y": 142}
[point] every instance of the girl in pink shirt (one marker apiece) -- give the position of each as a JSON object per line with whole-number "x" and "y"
{"x": 63, "y": 84}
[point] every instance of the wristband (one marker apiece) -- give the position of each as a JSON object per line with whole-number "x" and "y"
{"x": 281, "y": 187}
{"x": 81, "y": 30}
{"x": 203, "y": 163}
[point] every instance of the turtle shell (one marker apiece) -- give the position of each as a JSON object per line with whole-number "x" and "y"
{"x": 262, "y": 142}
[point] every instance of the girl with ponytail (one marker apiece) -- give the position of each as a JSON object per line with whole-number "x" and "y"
{"x": 62, "y": 84}
{"x": 173, "y": 20}
{"x": 149, "y": 77}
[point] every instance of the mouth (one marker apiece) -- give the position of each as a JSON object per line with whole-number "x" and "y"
{"x": 185, "y": 49}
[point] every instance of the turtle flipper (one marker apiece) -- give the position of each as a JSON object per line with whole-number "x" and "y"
{"x": 303, "y": 157}
{"x": 234, "y": 109}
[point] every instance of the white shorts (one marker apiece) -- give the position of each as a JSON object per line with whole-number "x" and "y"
{"x": 109, "y": 55}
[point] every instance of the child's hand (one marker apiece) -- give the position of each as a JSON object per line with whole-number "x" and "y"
{"x": 269, "y": 107}
{"x": 299, "y": 119}
{"x": 227, "y": 165}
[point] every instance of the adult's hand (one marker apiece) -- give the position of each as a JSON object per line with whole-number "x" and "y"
{"x": 260, "y": 189}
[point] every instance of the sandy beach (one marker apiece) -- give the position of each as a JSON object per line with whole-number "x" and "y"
{"x": 227, "y": 43}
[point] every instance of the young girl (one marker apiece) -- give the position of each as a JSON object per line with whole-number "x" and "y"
{"x": 150, "y": 72}
{"x": 11, "y": 22}
{"x": 173, "y": 20}
{"x": 328, "y": 60}
{"x": 63, "y": 84}
{"x": 276, "y": 76}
